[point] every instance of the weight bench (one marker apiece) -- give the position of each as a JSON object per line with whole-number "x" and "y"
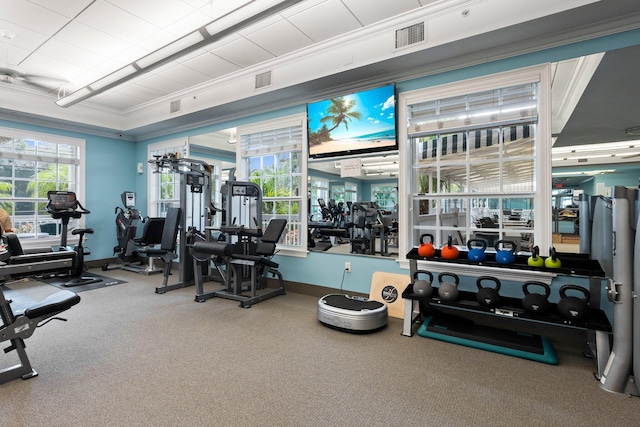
{"x": 18, "y": 326}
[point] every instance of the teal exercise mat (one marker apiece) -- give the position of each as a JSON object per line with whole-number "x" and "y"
{"x": 464, "y": 332}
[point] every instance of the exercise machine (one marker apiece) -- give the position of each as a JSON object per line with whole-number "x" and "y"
{"x": 232, "y": 265}
{"x": 64, "y": 205}
{"x": 195, "y": 211}
{"x": 18, "y": 325}
{"x": 127, "y": 220}
{"x": 623, "y": 289}
{"x": 130, "y": 248}
{"x": 242, "y": 261}
{"x": 353, "y": 314}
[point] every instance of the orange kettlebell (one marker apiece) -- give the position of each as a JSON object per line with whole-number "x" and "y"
{"x": 449, "y": 251}
{"x": 426, "y": 249}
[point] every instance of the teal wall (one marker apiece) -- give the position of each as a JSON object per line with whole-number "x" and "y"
{"x": 111, "y": 169}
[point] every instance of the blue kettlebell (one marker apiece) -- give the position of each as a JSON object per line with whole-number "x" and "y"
{"x": 504, "y": 256}
{"x": 476, "y": 254}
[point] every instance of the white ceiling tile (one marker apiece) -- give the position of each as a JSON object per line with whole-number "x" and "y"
{"x": 68, "y": 8}
{"x": 30, "y": 15}
{"x": 144, "y": 92}
{"x": 159, "y": 83}
{"x": 367, "y": 14}
{"x": 314, "y": 21}
{"x": 211, "y": 65}
{"x": 91, "y": 39}
{"x": 243, "y": 53}
{"x": 116, "y": 100}
{"x": 189, "y": 23}
{"x": 25, "y": 38}
{"x": 182, "y": 75}
{"x": 117, "y": 22}
{"x": 157, "y": 12}
{"x": 55, "y": 67}
{"x": 280, "y": 38}
{"x": 64, "y": 51}
{"x": 261, "y": 24}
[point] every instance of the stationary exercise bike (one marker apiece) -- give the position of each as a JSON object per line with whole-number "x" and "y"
{"x": 64, "y": 205}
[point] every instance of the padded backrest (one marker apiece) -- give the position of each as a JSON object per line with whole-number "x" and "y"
{"x": 170, "y": 229}
{"x": 274, "y": 230}
{"x": 271, "y": 236}
{"x": 152, "y": 231}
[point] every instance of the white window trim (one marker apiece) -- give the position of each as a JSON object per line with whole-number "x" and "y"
{"x": 540, "y": 74}
{"x": 80, "y": 184}
{"x": 241, "y": 168}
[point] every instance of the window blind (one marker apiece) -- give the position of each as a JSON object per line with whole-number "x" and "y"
{"x": 492, "y": 108}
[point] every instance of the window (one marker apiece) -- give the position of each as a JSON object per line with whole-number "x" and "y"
{"x": 319, "y": 189}
{"x": 479, "y": 162}
{"x": 164, "y": 184}
{"x": 32, "y": 164}
{"x": 386, "y": 196}
{"x": 272, "y": 157}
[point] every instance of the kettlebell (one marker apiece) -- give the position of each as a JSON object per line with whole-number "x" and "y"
{"x": 504, "y": 256}
{"x": 573, "y": 307}
{"x": 426, "y": 249}
{"x": 486, "y": 296}
{"x": 422, "y": 287}
{"x": 552, "y": 261}
{"x": 535, "y": 260}
{"x": 449, "y": 251}
{"x": 448, "y": 291}
{"x": 476, "y": 254}
{"x": 534, "y": 302}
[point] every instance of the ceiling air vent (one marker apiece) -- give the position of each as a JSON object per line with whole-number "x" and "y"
{"x": 174, "y": 107}
{"x": 410, "y": 35}
{"x": 263, "y": 79}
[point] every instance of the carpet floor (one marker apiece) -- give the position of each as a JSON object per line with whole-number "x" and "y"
{"x": 130, "y": 357}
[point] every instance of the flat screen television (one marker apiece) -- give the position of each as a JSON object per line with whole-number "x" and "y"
{"x": 362, "y": 122}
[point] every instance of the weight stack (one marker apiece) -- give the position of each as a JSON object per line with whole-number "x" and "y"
{"x": 352, "y": 314}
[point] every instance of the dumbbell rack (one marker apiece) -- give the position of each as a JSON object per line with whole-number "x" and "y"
{"x": 510, "y": 312}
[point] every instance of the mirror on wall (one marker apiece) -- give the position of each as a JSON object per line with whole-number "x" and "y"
{"x": 353, "y": 205}
{"x": 218, "y": 149}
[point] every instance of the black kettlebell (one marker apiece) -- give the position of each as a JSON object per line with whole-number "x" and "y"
{"x": 573, "y": 307}
{"x": 488, "y": 297}
{"x": 534, "y": 302}
{"x": 448, "y": 291}
{"x": 422, "y": 287}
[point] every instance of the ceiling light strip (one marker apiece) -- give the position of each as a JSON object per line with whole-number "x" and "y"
{"x": 181, "y": 47}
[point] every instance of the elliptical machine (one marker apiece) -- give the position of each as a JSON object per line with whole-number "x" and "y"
{"x": 126, "y": 226}
{"x": 64, "y": 205}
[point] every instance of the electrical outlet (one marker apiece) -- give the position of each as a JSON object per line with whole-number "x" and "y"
{"x": 347, "y": 267}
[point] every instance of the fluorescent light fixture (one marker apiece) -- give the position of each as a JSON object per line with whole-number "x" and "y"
{"x": 586, "y": 148}
{"x": 168, "y": 51}
{"x": 585, "y": 173}
{"x": 112, "y": 79}
{"x": 230, "y": 23}
{"x": 77, "y": 96}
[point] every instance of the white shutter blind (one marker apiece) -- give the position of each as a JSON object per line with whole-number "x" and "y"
{"x": 499, "y": 107}
{"x": 285, "y": 139}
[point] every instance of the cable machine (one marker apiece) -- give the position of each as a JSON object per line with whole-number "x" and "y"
{"x": 195, "y": 204}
